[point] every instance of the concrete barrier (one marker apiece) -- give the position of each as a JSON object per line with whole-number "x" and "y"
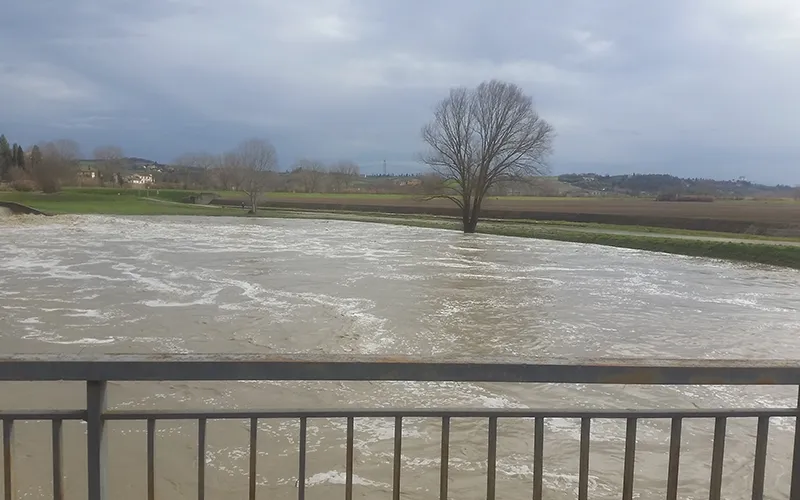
{"x": 15, "y": 208}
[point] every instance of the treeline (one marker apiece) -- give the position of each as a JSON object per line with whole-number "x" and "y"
{"x": 251, "y": 166}
{"x": 666, "y": 185}
{"x": 45, "y": 166}
{"x": 223, "y": 172}
{"x": 12, "y": 156}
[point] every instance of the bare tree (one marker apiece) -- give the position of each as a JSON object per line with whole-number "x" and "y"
{"x": 255, "y": 161}
{"x": 311, "y": 174}
{"x": 110, "y": 162}
{"x": 204, "y": 164}
{"x": 343, "y": 174}
{"x": 226, "y": 176}
{"x": 198, "y": 160}
{"x": 432, "y": 184}
{"x": 230, "y": 174}
{"x": 481, "y": 136}
{"x": 58, "y": 164}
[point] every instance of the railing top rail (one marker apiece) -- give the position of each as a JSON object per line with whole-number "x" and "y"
{"x": 174, "y": 367}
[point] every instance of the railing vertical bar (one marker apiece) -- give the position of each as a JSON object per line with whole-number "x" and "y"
{"x": 348, "y": 479}
{"x": 444, "y": 461}
{"x": 583, "y": 476}
{"x": 630, "y": 459}
{"x": 151, "y": 459}
{"x": 301, "y": 466}
{"x": 538, "y": 456}
{"x": 717, "y": 456}
{"x": 58, "y": 459}
{"x": 491, "y": 460}
{"x": 794, "y": 492}
{"x": 762, "y": 435}
{"x": 96, "y": 443}
{"x": 8, "y": 444}
{"x": 253, "y": 456}
{"x": 674, "y": 458}
{"x": 398, "y": 448}
{"x": 201, "y": 458}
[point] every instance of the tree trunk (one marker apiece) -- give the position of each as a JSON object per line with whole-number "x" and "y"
{"x": 465, "y": 218}
{"x": 253, "y": 204}
{"x": 471, "y": 216}
{"x": 470, "y": 226}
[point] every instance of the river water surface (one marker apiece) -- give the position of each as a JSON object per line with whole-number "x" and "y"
{"x": 94, "y": 284}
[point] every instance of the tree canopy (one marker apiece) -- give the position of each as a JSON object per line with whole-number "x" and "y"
{"x": 479, "y": 137}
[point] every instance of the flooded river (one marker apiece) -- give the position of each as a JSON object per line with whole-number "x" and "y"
{"x": 94, "y": 284}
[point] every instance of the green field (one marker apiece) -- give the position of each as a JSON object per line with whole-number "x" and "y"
{"x": 781, "y": 252}
{"x": 115, "y": 202}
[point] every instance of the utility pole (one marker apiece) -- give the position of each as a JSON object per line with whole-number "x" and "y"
{"x": 384, "y": 168}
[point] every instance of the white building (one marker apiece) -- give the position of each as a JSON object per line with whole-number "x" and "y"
{"x": 141, "y": 179}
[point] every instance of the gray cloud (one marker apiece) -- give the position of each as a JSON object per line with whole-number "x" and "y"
{"x": 701, "y": 88}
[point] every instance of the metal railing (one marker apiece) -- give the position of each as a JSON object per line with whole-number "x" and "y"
{"x": 97, "y": 371}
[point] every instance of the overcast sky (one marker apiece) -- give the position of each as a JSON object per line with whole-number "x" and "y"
{"x": 691, "y": 87}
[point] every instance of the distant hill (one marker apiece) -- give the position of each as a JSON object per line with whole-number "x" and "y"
{"x": 131, "y": 164}
{"x": 665, "y": 184}
{"x": 127, "y": 162}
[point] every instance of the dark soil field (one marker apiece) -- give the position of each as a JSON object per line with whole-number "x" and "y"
{"x": 774, "y": 218}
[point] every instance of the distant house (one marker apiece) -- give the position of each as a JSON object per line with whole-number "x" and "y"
{"x": 409, "y": 182}
{"x": 140, "y": 179}
{"x": 87, "y": 172}
{"x": 155, "y": 167}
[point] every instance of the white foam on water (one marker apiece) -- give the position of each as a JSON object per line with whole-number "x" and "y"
{"x": 28, "y": 263}
{"x": 208, "y": 298}
{"x": 570, "y": 482}
{"x": 157, "y": 285}
{"x": 82, "y": 341}
{"x": 89, "y": 313}
{"x": 54, "y": 338}
{"x": 72, "y": 312}
{"x": 529, "y": 283}
{"x": 339, "y": 477}
{"x": 258, "y": 298}
{"x": 171, "y": 345}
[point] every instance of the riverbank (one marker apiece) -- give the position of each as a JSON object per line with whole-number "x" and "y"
{"x": 760, "y": 251}
{"x": 729, "y": 246}
{"x": 771, "y": 218}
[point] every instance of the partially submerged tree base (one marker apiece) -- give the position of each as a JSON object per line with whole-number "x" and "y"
{"x": 483, "y": 136}
{"x": 470, "y": 224}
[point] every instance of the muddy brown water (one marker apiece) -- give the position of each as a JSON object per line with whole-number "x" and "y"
{"x": 95, "y": 284}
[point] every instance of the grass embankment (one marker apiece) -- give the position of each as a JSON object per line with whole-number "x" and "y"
{"x": 115, "y": 202}
{"x": 684, "y": 242}
{"x": 760, "y": 251}
{"x": 766, "y": 218}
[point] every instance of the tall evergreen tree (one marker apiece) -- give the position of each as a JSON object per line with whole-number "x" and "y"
{"x": 14, "y": 154}
{"x": 5, "y": 157}
{"x": 36, "y": 155}
{"x": 20, "y": 157}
